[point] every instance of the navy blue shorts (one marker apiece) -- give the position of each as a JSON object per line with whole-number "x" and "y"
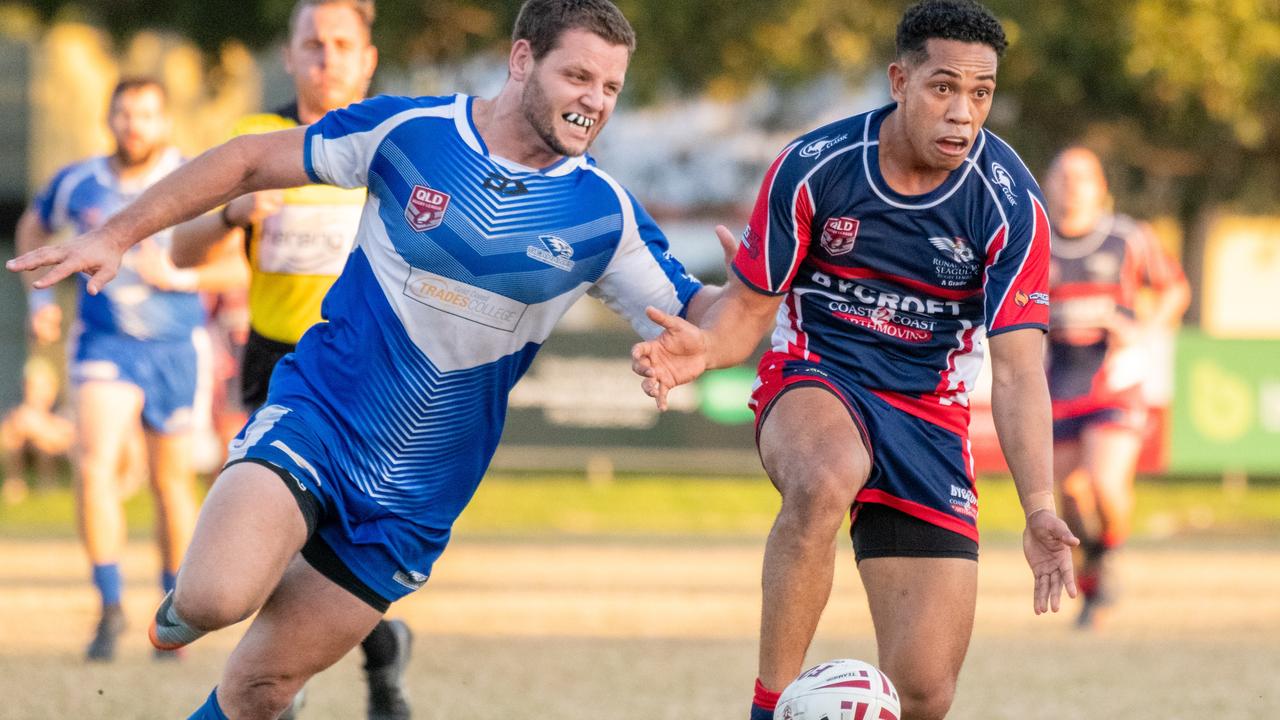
{"x": 167, "y": 372}
{"x": 921, "y": 467}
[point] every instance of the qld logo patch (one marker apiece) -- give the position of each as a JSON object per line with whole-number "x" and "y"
{"x": 426, "y": 208}
{"x": 838, "y": 235}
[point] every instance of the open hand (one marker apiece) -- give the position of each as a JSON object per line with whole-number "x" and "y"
{"x": 96, "y": 253}
{"x": 676, "y": 357}
{"x": 1047, "y": 543}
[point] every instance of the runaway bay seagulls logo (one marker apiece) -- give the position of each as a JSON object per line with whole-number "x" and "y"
{"x": 956, "y": 248}
{"x": 1001, "y": 177}
{"x": 817, "y": 147}
{"x": 958, "y": 264}
{"x": 553, "y": 251}
{"x": 426, "y": 208}
{"x": 838, "y": 235}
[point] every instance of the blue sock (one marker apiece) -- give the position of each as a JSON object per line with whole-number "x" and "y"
{"x": 210, "y": 709}
{"x": 168, "y": 580}
{"x": 106, "y": 578}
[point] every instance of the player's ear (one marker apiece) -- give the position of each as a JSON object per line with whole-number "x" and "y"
{"x": 520, "y": 63}
{"x": 898, "y": 81}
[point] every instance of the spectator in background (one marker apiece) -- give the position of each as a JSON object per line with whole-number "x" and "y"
{"x": 135, "y": 354}
{"x": 1098, "y": 359}
{"x": 33, "y": 429}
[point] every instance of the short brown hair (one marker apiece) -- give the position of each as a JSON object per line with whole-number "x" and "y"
{"x": 541, "y": 22}
{"x": 364, "y": 8}
{"x": 140, "y": 82}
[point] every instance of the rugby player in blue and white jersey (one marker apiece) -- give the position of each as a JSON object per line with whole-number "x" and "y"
{"x": 888, "y": 250}
{"x": 485, "y": 221}
{"x": 135, "y": 352}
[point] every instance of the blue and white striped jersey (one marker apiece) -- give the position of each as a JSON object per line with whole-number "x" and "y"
{"x": 81, "y": 197}
{"x": 462, "y": 265}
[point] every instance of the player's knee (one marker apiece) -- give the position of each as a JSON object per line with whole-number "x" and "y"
{"x": 258, "y": 695}
{"x": 926, "y": 700}
{"x": 208, "y": 609}
{"x": 817, "y": 504}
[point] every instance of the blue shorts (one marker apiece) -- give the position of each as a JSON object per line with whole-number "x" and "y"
{"x": 375, "y": 554}
{"x": 921, "y": 463}
{"x": 167, "y": 372}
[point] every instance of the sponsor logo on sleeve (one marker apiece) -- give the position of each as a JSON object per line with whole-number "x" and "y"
{"x": 1021, "y": 298}
{"x": 1002, "y": 178}
{"x": 426, "y": 208}
{"x": 819, "y": 146}
{"x": 838, "y": 235}
{"x": 552, "y": 250}
{"x": 752, "y": 242}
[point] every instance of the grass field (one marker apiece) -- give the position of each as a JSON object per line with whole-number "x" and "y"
{"x": 639, "y": 600}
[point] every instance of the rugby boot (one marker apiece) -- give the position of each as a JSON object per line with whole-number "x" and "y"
{"x": 103, "y": 646}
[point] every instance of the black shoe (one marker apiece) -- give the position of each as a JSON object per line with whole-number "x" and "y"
{"x": 387, "y": 699}
{"x": 110, "y": 625}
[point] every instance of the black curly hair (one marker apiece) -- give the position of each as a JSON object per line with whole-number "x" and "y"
{"x": 963, "y": 20}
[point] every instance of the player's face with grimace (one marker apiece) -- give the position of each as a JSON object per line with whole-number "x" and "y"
{"x": 572, "y": 90}
{"x": 944, "y": 97}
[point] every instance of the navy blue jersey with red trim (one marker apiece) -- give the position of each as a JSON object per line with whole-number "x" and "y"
{"x": 898, "y": 291}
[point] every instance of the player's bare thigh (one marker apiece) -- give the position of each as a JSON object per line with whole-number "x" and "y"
{"x": 105, "y": 419}
{"x": 250, "y": 528}
{"x": 923, "y": 611}
{"x": 809, "y": 444}
{"x": 308, "y": 624}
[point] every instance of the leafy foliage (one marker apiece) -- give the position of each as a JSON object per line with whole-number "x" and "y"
{"x": 1179, "y": 95}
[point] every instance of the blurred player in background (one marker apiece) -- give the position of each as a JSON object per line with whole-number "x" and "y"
{"x": 1098, "y": 359}
{"x": 485, "y": 222}
{"x": 136, "y": 351}
{"x": 888, "y": 250}
{"x": 296, "y": 242}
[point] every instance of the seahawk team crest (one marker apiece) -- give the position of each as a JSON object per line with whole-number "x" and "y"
{"x": 426, "y": 208}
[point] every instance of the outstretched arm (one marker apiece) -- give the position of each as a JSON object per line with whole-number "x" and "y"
{"x": 727, "y": 332}
{"x": 1020, "y": 406}
{"x": 242, "y": 165}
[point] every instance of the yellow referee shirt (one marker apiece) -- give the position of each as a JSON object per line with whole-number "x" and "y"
{"x": 298, "y": 252}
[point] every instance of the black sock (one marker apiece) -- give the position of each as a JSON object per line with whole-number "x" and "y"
{"x": 379, "y": 646}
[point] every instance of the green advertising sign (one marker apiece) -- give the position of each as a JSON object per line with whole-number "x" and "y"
{"x": 1226, "y": 410}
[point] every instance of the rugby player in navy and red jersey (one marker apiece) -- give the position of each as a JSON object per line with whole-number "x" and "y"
{"x": 1098, "y": 360}
{"x": 890, "y": 249}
